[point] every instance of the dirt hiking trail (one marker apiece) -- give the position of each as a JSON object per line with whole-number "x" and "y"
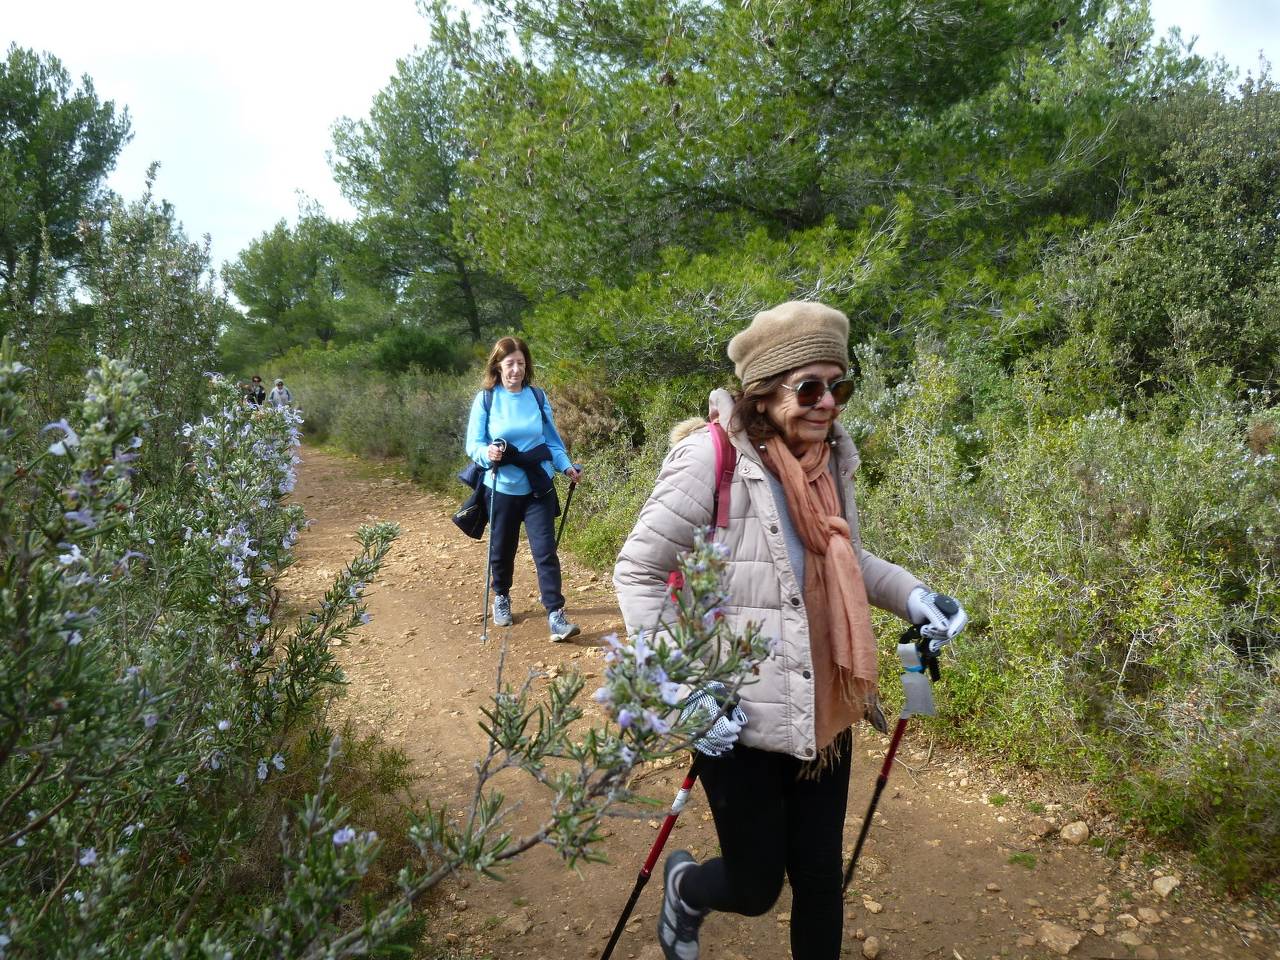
{"x": 962, "y": 863}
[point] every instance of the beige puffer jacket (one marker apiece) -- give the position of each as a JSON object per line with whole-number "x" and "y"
{"x": 761, "y": 583}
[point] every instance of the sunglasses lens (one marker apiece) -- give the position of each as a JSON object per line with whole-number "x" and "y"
{"x": 809, "y": 392}
{"x": 841, "y": 391}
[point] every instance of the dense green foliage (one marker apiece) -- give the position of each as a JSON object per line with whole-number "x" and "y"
{"x": 56, "y": 146}
{"x": 419, "y": 416}
{"x": 134, "y": 288}
{"x": 1056, "y": 240}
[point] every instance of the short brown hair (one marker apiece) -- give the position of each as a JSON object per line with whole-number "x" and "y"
{"x": 504, "y": 348}
{"x": 746, "y": 418}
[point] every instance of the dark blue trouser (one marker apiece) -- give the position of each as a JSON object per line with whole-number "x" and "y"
{"x": 539, "y": 517}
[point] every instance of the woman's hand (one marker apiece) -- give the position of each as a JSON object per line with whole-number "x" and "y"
{"x": 574, "y": 473}
{"x": 496, "y": 452}
{"x": 707, "y": 706}
{"x": 940, "y": 617}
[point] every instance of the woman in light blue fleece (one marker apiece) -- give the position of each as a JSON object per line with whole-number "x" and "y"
{"x": 511, "y": 429}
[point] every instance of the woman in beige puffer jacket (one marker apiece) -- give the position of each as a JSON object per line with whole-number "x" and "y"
{"x": 797, "y": 569}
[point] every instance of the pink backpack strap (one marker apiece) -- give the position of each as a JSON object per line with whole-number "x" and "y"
{"x": 726, "y": 457}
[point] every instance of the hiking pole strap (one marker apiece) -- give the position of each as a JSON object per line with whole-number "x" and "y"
{"x": 881, "y": 780}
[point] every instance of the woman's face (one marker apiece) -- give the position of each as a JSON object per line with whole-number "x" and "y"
{"x": 802, "y": 427}
{"x": 511, "y": 369}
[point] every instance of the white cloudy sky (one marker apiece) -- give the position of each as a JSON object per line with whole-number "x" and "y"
{"x": 236, "y": 99}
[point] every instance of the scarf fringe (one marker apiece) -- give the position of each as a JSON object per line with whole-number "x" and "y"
{"x": 828, "y": 757}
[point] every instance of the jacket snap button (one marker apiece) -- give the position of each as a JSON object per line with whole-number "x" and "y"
{"x": 795, "y": 601}
{"x": 773, "y": 528}
{"x": 805, "y": 674}
{"x": 808, "y": 751}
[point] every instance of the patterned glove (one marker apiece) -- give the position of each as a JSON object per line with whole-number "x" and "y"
{"x": 708, "y": 702}
{"x": 940, "y": 617}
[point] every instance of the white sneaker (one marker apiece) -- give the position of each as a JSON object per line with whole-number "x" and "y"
{"x": 561, "y": 628}
{"x": 502, "y": 610}
{"x": 678, "y": 923}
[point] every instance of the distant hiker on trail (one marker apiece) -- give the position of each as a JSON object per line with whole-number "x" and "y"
{"x": 280, "y": 395}
{"x": 778, "y": 784}
{"x": 257, "y": 392}
{"x": 509, "y": 408}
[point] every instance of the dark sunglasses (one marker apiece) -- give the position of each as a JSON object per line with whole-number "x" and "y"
{"x": 809, "y": 393}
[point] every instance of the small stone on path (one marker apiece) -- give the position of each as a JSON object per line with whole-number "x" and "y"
{"x": 1075, "y": 833}
{"x": 1040, "y": 827}
{"x": 518, "y": 924}
{"x": 872, "y": 906}
{"x": 1061, "y": 940}
{"x": 1165, "y": 886}
{"x": 871, "y": 948}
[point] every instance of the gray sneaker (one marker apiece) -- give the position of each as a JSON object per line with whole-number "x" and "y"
{"x": 502, "y": 610}
{"x": 561, "y": 628}
{"x": 678, "y": 923}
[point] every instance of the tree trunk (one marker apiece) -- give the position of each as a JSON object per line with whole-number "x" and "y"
{"x": 469, "y": 297}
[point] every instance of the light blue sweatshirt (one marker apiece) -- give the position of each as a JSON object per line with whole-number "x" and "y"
{"x": 515, "y": 418}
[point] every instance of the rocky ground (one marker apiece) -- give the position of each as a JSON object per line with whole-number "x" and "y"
{"x": 963, "y": 860}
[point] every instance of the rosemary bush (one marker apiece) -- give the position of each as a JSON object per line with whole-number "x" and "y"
{"x": 149, "y": 691}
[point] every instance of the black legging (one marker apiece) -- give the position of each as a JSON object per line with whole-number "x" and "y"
{"x": 770, "y": 821}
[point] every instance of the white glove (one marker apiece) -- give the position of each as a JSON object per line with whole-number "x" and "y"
{"x": 932, "y": 611}
{"x": 704, "y": 704}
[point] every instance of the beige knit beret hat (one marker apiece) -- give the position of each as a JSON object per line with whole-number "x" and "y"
{"x": 789, "y": 336}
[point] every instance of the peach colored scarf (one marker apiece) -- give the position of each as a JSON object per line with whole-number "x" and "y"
{"x": 841, "y": 641}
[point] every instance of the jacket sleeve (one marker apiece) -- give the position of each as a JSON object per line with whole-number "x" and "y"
{"x": 559, "y": 456}
{"x": 477, "y": 445}
{"x": 679, "y": 504}
{"x": 888, "y": 585}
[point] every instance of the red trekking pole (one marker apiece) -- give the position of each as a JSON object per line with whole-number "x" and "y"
{"x": 881, "y": 780}
{"x": 646, "y": 871}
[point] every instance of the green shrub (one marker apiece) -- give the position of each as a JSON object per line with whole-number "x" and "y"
{"x": 619, "y": 476}
{"x": 1120, "y": 568}
{"x": 420, "y": 417}
{"x": 403, "y": 347}
{"x": 1186, "y": 278}
{"x": 1214, "y": 785}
